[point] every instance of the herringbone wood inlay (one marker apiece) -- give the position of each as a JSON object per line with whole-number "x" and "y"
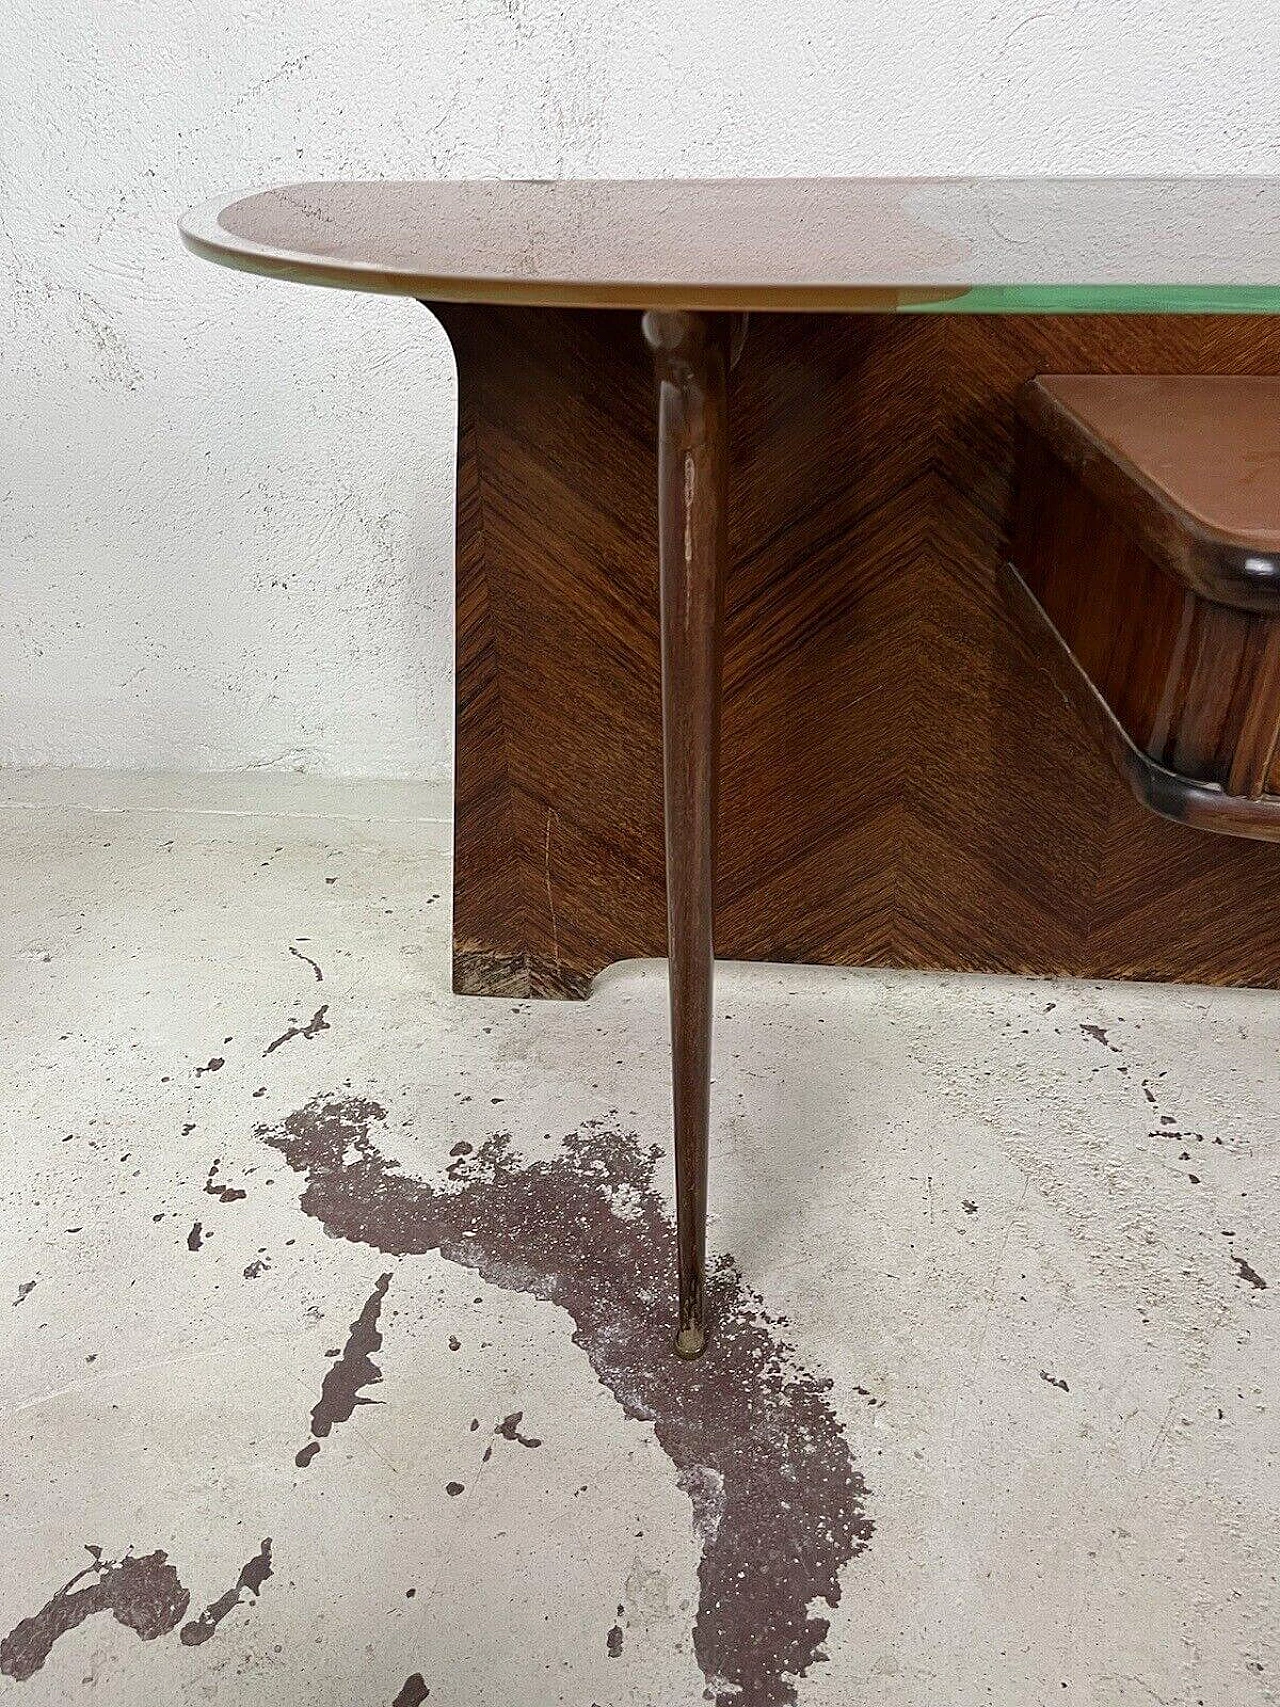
{"x": 902, "y": 784}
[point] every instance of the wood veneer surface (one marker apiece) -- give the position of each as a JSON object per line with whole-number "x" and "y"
{"x": 1208, "y": 443}
{"x": 1192, "y": 683}
{"x": 902, "y": 784}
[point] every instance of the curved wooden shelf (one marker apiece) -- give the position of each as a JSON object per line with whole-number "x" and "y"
{"x": 1184, "y": 800}
{"x": 1213, "y": 523}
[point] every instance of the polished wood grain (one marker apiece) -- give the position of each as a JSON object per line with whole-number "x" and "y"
{"x": 903, "y": 783}
{"x": 691, "y": 362}
{"x": 1183, "y": 800}
{"x": 820, "y": 243}
{"x": 558, "y": 818}
{"x": 1192, "y": 682}
{"x": 1208, "y": 445}
{"x": 1189, "y": 463}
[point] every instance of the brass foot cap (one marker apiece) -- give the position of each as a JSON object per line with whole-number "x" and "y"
{"x": 691, "y": 1342}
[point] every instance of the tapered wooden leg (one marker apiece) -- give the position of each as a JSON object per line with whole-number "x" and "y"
{"x": 691, "y": 357}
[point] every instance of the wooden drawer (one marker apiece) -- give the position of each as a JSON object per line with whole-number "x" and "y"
{"x": 1146, "y": 549}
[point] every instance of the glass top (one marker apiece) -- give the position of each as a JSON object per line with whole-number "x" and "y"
{"x": 951, "y": 245}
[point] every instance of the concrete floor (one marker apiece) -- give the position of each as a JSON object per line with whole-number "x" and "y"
{"x": 334, "y": 1308}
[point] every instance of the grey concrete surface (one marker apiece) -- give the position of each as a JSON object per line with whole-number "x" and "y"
{"x": 289, "y": 1236}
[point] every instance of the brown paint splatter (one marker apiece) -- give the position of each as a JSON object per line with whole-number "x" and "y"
{"x": 316, "y": 1024}
{"x": 1054, "y": 1381}
{"x": 1249, "y": 1273}
{"x": 223, "y": 1193}
{"x": 777, "y": 1502}
{"x": 195, "y": 1238}
{"x": 509, "y": 1429}
{"x": 298, "y": 954}
{"x": 413, "y": 1692}
{"x": 613, "y": 1641}
{"x": 25, "y": 1289}
{"x": 340, "y": 1392}
{"x": 250, "y": 1581}
{"x": 143, "y": 1594}
{"x": 214, "y": 1066}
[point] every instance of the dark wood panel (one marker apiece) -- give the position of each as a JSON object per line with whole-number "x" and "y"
{"x": 1189, "y": 680}
{"x": 1199, "y": 805}
{"x": 557, "y": 443}
{"x": 902, "y": 782}
{"x": 1188, "y": 464}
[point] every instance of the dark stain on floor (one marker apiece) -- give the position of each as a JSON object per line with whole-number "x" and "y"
{"x": 1249, "y": 1273}
{"x": 223, "y": 1193}
{"x": 413, "y": 1692}
{"x": 250, "y": 1581}
{"x": 613, "y": 1641}
{"x": 144, "y": 1594}
{"x": 342, "y": 1388}
{"x": 777, "y": 1502}
{"x": 299, "y": 955}
{"x": 509, "y": 1429}
{"x": 316, "y": 1024}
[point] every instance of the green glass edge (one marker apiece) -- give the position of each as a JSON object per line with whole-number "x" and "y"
{"x": 1107, "y": 299}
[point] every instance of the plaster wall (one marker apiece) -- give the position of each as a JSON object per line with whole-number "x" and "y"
{"x": 225, "y": 506}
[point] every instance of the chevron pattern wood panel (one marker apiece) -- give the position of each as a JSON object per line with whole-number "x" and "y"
{"x": 902, "y": 784}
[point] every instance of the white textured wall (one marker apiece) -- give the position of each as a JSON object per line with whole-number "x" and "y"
{"x": 225, "y": 510}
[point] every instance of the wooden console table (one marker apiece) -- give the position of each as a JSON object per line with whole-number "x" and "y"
{"x": 827, "y": 492}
